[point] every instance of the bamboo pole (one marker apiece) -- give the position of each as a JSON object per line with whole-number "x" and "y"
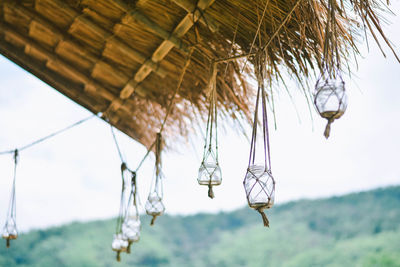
{"x": 84, "y": 79}
{"x": 205, "y": 19}
{"x": 129, "y": 83}
{"x": 62, "y": 37}
{"x": 54, "y": 62}
{"x": 166, "y": 46}
{"x": 112, "y": 40}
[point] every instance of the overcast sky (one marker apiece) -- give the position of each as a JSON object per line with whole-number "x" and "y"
{"x": 75, "y": 176}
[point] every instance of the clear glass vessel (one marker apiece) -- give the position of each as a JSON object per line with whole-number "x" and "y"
{"x": 209, "y": 173}
{"x": 154, "y": 205}
{"x": 259, "y": 186}
{"x": 330, "y": 98}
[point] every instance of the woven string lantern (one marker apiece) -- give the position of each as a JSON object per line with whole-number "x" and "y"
{"x": 330, "y": 98}
{"x": 10, "y": 227}
{"x": 259, "y": 183}
{"x": 119, "y": 244}
{"x": 128, "y": 222}
{"x": 210, "y": 171}
{"x": 260, "y": 188}
{"x": 154, "y": 206}
{"x": 131, "y": 224}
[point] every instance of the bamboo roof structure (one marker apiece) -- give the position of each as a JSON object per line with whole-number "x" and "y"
{"x": 124, "y": 58}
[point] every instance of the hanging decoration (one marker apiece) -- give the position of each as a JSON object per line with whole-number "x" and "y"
{"x": 259, "y": 184}
{"x": 10, "y": 231}
{"x": 154, "y": 206}
{"x": 131, "y": 224}
{"x": 210, "y": 171}
{"x": 128, "y": 225}
{"x": 119, "y": 243}
{"x": 128, "y": 222}
{"x": 330, "y": 98}
{"x": 10, "y": 228}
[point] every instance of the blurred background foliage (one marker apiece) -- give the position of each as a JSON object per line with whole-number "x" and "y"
{"x": 360, "y": 229}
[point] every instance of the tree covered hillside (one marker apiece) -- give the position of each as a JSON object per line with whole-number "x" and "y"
{"x": 361, "y": 229}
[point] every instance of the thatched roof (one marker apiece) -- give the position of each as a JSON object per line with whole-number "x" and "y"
{"x": 124, "y": 57}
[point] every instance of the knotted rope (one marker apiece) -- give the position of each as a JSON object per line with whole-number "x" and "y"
{"x": 211, "y": 124}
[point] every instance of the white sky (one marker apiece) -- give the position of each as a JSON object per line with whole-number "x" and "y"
{"x": 75, "y": 176}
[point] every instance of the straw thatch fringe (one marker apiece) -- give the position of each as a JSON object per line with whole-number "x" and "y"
{"x": 125, "y": 57}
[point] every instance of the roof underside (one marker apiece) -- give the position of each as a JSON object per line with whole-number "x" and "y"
{"x": 124, "y": 58}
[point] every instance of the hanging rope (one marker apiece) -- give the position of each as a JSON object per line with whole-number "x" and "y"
{"x": 260, "y": 70}
{"x": 10, "y": 228}
{"x": 122, "y": 211}
{"x": 330, "y": 98}
{"x": 128, "y": 225}
{"x": 50, "y": 135}
{"x": 131, "y": 228}
{"x": 331, "y": 57}
{"x": 158, "y": 155}
{"x": 117, "y": 145}
{"x": 209, "y": 171}
{"x": 259, "y": 183}
{"x": 154, "y": 205}
{"x": 257, "y": 32}
{"x": 169, "y": 108}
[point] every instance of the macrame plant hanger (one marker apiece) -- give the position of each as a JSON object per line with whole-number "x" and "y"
{"x": 210, "y": 171}
{"x": 154, "y": 206}
{"x": 258, "y": 183}
{"x": 119, "y": 243}
{"x": 131, "y": 224}
{"x": 330, "y": 98}
{"x": 128, "y": 221}
{"x": 10, "y": 228}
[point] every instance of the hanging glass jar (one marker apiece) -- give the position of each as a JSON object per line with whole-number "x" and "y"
{"x": 119, "y": 244}
{"x": 330, "y": 98}
{"x": 154, "y": 206}
{"x": 131, "y": 224}
{"x": 210, "y": 171}
{"x": 128, "y": 222}
{"x": 10, "y": 227}
{"x": 259, "y": 184}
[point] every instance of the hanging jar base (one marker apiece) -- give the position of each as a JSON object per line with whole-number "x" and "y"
{"x": 210, "y": 192}
{"x": 264, "y": 216}
{"x": 153, "y": 220}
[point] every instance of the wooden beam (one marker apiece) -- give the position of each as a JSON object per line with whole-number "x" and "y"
{"x": 52, "y": 60}
{"x": 93, "y": 85}
{"x": 155, "y": 28}
{"x": 166, "y": 46}
{"x": 205, "y": 19}
{"x": 57, "y": 32}
{"x": 113, "y": 40}
{"x": 63, "y": 37}
{"x": 181, "y": 29}
{"x": 68, "y": 88}
{"x": 136, "y": 16}
{"x": 85, "y": 52}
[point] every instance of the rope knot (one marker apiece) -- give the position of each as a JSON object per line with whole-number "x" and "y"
{"x": 210, "y": 191}
{"x": 264, "y": 216}
{"x": 153, "y": 220}
{"x": 328, "y": 128}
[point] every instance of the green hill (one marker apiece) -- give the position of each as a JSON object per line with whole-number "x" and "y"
{"x": 361, "y": 229}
